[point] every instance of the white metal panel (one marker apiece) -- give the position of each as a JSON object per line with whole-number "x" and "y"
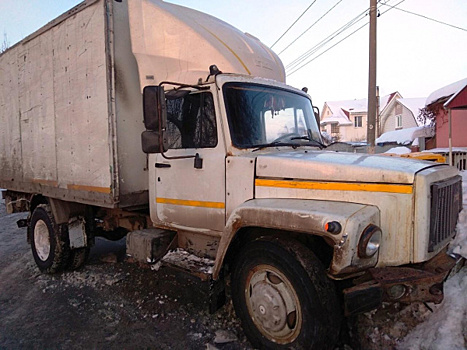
{"x": 240, "y": 181}
{"x": 80, "y": 84}
{"x": 339, "y": 166}
{"x": 396, "y": 216}
{"x": 10, "y": 134}
{"x": 36, "y": 103}
{"x": 179, "y": 44}
{"x": 133, "y": 174}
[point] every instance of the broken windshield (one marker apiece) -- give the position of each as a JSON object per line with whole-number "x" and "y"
{"x": 260, "y": 115}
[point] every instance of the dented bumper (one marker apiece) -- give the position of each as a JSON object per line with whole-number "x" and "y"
{"x": 416, "y": 283}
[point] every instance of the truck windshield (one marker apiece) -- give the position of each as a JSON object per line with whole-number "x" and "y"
{"x": 259, "y": 115}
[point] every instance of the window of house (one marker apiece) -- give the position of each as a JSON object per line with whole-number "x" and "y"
{"x": 358, "y": 121}
{"x": 334, "y": 128}
{"x": 398, "y": 121}
{"x": 191, "y": 121}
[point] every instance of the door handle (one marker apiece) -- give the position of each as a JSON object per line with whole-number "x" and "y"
{"x": 162, "y": 165}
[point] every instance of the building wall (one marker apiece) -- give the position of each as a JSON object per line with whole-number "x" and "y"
{"x": 388, "y": 122}
{"x": 356, "y": 134}
{"x": 459, "y": 129}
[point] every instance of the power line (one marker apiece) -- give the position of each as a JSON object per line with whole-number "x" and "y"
{"x": 319, "y": 19}
{"x": 293, "y": 23}
{"x": 428, "y": 18}
{"x": 322, "y": 53}
{"x": 326, "y": 40}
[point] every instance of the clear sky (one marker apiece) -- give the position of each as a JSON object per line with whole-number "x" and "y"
{"x": 415, "y": 56}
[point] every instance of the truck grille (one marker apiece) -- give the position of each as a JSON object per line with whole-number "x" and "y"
{"x": 446, "y": 203}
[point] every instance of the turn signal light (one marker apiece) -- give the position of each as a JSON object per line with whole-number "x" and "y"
{"x": 333, "y": 227}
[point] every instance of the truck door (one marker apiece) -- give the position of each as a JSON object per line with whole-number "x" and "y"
{"x": 186, "y": 195}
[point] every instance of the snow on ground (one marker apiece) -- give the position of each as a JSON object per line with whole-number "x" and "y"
{"x": 446, "y": 327}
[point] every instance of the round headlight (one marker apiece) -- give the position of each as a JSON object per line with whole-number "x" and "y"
{"x": 369, "y": 241}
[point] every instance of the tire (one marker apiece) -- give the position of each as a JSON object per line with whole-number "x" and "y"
{"x": 283, "y": 297}
{"x": 78, "y": 258}
{"x": 49, "y": 241}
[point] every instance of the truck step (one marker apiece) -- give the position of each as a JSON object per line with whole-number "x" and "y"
{"x": 148, "y": 245}
{"x": 182, "y": 260}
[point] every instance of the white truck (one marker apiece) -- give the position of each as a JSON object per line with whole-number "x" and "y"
{"x": 232, "y": 170}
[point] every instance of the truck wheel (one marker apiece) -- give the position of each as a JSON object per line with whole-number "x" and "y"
{"x": 49, "y": 241}
{"x": 78, "y": 258}
{"x": 283, "y": 297}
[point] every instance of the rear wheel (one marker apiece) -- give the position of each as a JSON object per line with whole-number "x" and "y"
{"x": 49, "y": 241}
{"x": 283, "y": 297}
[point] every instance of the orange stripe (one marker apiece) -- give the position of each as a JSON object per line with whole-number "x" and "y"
{"x": 106, "y": 190}
{"x": 190, "y": 203}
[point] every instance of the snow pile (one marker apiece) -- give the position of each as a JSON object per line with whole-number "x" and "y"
{"x": 190, "y": 262}
{"x": 405, "y": 136}
{"x": 446, "y": 328}
{"x": 398, "y": 150}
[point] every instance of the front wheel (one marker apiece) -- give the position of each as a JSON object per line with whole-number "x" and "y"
{"x": 49, "y": 241}
{"x": 282, "y": 296}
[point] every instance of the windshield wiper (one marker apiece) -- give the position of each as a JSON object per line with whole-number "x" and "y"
{"x": 274, "y": 144}
{"x": 319, "y": 144}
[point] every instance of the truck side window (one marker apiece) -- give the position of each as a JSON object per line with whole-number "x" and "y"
{"x": 191, "y": 121}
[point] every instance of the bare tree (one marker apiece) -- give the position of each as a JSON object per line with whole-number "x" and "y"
{"x": 428, "y": 114}
{"x": 5, "y": 43}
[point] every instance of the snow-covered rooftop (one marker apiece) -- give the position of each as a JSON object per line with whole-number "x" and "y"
{"x": 446, "y": 91}
{"x": 414, "y": 105}
{"x": 341, "y": 109}
{"x": 405, "y": 136}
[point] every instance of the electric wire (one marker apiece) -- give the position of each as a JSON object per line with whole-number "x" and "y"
{"x": 326, "y": 40}
{"x": 428, "y": 18}
{"x": 293, "y": 23}
{"x": 319, "y": 19}
{"x": 322, "y": 53}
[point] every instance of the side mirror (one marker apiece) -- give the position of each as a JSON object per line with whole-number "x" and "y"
{"x": 316, "y": 111}
{"x": 154, "y": 108}
{"x": 151, "y": 143}
{"x": 154, "y": 140}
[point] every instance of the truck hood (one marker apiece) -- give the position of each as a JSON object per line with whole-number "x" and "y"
{"x": 334, "y": 166}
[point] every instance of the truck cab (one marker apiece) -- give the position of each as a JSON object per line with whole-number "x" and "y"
{"x": 238, "y": 169}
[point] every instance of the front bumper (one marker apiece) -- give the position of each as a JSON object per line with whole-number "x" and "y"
{"x": 415, "y": 283}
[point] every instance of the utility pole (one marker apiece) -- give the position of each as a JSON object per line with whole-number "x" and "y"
{"x": 371, "y": 124}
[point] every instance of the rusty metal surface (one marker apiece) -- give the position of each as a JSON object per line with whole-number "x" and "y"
{"x": 422, "y": 283}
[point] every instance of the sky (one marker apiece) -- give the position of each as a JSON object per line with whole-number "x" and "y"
{"x": 416, "y": 56}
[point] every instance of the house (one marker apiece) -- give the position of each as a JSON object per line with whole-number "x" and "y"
{"x": 401, "y": 113}
{"x": 347, "y": 120}
{"x": 449, "y": 100}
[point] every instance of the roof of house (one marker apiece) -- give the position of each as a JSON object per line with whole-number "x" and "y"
{"x": 446, "y": 91}
{"x": 341, "y": 110}
{"x": 414, "y": 105}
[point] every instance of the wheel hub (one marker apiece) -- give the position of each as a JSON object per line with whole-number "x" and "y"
{"x": 268, "y": 306}
{"x": 41, "y": 240}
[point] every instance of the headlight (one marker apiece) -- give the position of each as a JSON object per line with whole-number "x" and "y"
{"x": 369, "y": 241}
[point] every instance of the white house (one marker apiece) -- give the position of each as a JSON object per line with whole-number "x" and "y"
{"x": 347, "y": 120}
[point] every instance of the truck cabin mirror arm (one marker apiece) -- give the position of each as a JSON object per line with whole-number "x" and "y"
{"x": 154, "y": 139}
